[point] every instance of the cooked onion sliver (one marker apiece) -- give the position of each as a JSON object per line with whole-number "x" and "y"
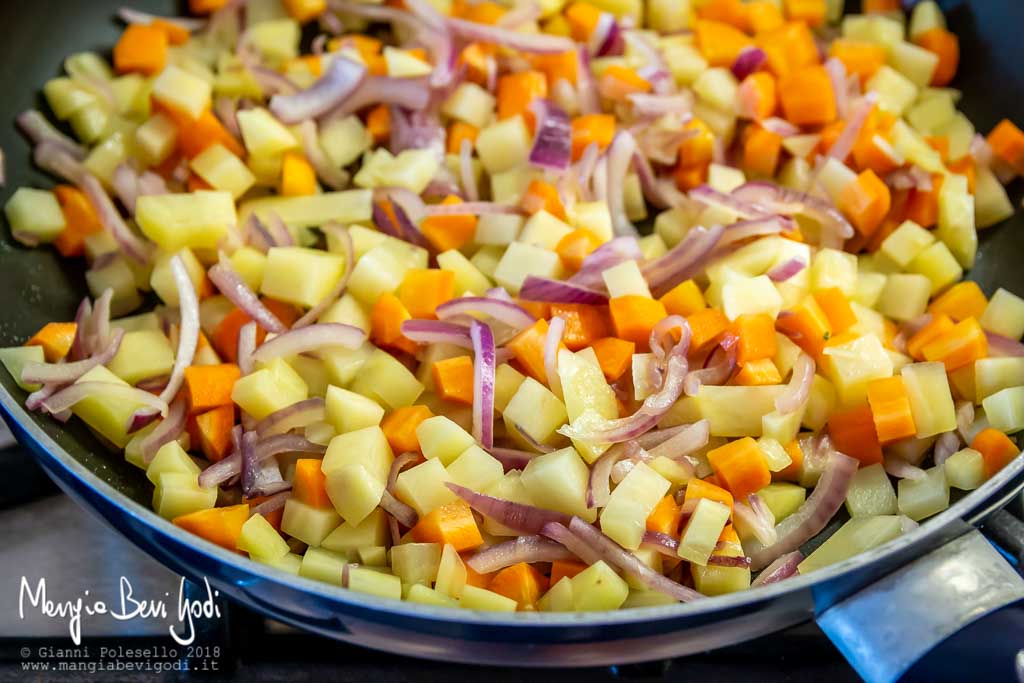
{"x": 231, "y": 466}
{"x": 271, "y": 504}
{"x": 65, "y": 373}
{"x": 308, "y": 339}
{"x": 342, "y": 78}
{"x": 787, "y": 269}
{"x": 799, "y": 388}
{"x": 683, "y": 261}
{"x": 437, "y": 332}
{"x": 231, "y": 285}
{"x": 188, "y": 332}
{"x": 552, "y": 144}
{"x": 169, "y": 429}
{"x": 782, "y": 568}
{"x": 38, "y": 129}
{"x": 483, "y": 383}
{"x": 297, "y": 415}
{"x": 246, "y": 346}
{"x": 525, "y": 519}
{"x": 559, "y": 291}
{"x": 527, "y": 549}
{"x": 536, "y": 43}
{"x": 397, "y": 509}
{"x": 509, "y": 313}
{"x": 560, "y": 533}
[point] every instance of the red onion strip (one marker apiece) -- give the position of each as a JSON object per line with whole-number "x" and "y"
{"x": 483, "y": 383}
{"x": 341, "y": 80}
{"x": 559, "y": 533}
{"x": 231, "y": 285}
{"x": 782, "y": 568}
{"x": 66, "y": 398}
{"x": 301, "y": 414}
{"x": 799, "y": 388}
{"x": 246, "y": 346}
{"x": 188, "y": 333}
{"x": 437, "y": 332}
{"x": 308, "y": 339}
{"x": 527, "y": 549}
{"x": 65, "y": 373}
{"x": 507, "y": 312}
{"x": 526, "y": 519}
{"x": 169, "y": 429}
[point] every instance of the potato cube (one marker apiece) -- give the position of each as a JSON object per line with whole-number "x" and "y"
{"x": 624, "y": 518}
{"x": 348, "y": 538}
{"x": 956, "y": 219}
{"x": 363, "y": 580}
{"x": 965, "y": 469}
{"x": 543, "y": 230}
{"x": 177, "y": 494}
{"x": 1004, "y": 314}
{"x": 14, "y": 359}
{"x": 852, "y": 365}
{"x": 423, "y": 486}
{"x": 922, "y": 498}
{"x": 483, "y": 599}
{"x": 384, "y": 379}
{"x": 143, "y": 354}
{"x": 441, "y": 438}
{"x": 558, "y": 481}
{"x": 521, "y": 260}
{"x": 856, "y": 536}
{"x": 906, "y": 243}
{"x": 468, "y": 278}
{"x": 509, "y": 487}
{"x": 343, "y": 364}
{"x": 931, "y": 402}
{"x": 108, "y": 416}
{"x": 412, "y": 169}
{"x": 895, "y": 91}
{"x": 308, "y": 524}
{"x": 700, "y": 535}
{"x": 263, "y": 134}
{"x": 500, "y": 229}
{"x": 750, "y": 296}
{"x": 535, "y": 411}
{"x": 1005, "y": 409}
{"x": 783, "y": 498}
{"x": 367, "y": 447}
{"x": 182, "y": 91}
{"x": 589, "y": 400}
{"x": 34, "y": 215}
{"x": 625, "y": 279}
{"x": 354, "y": 492}
{"x": 905, "y": 296}
{"x": 475, "y": 469}
{"x": 350, "y": 206}
{"x": 503, "y": 145}
{"x": 348, "y": 411}
{"x": 196, "y": 219}
{"x": 261, "y": 540}
{"x": 416, "y": 563}
{"x": 162, "y": 278}
{"x": 470, "y": 103}
{"x": 915, "y": 63}
{"x": 344, "y": 140}
{"x": 322, "y": 565}
{"x": 871, "y": 493}
{"x": 223, "y": 170}
{"x": 378, "y": 272}
{"x": 598, "y": 588}
{"x": 301, "y": 276}
{"x": 268, "y": 390}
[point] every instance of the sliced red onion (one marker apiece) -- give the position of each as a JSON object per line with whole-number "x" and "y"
{"x": 758, "y": 518}
{"x": 82, "y": 345}
{"x": 310, "y": 338}
{"x": 998, "y": 345}
{"x": 647, "y": 105}
{"x": 552, "y": 147}
{"x": 402, "y": 513}
{"x": 38, "y": 129}
{"x": 584, "y": 172}
{"x": 717, "y": 370}
{"x": 332, "y": 176}
{"x": 504, "y": 311}
{"x": 416, "y": 130}
{"x": 125, "y": 182}
{"x": 410, "y": 93}
{"x": 260, "y": 476}
{"x": 606, "y": 39}
{"x": 99, "y": 322}
{"x": 964, "y": 419}
{"x": 787, "y": 269}
{"x": 526, "y": 519}
{"x": 901, "y": 469}
{"x": 559, "y": 291}
{"x": 738, "y": 561}
{"x": 342, "y": 78}
{"x": 946, "y": 445}
{"x": 246, "y": 346}
{"x": 537, "y": 446}
{"x": 226, "y": 110}
{"x": 776, "y": 199}
{"x": 295, "y": 416}
{"x": 271, "y": 504}
{"x": 684, "y": 261}
{"x": 837, "y": 75}
{"x": 527, "y": 549}
{"x": 342, "y": 235}
{"x": 559, "y": 533}
{"x": 598, "y": 489}
{"x": 779, "y": 126}
{"x": 585, "y": 85}
{"x": 612, "y": 553}
{"x": 68, "y": 397}
{"x": 231, "y": 466}
{"x": 231, "y": 285}
{"x": 435, "y": 34}
{"x": 467, "y": 177}
{"x": 826, "y": 499}
{"x": 512, "y": 459}
{"x": 980, "y": 151}
{"x": 689, "y": 439}
{"x": 483, "y": 383}
{"x": 534, "y": 43}
{"x": 152, "y": 184}
{"x": 843, "y": 145}
{"x": 169, "y": 429}
{"x": 782, "y": 568}
{"x": 661, "y": 543}
{"x": 188, "y": 333}
{"x": 437, "y": 332}
{"x": 620, "y": 160}
{"x": 53, "y": 158}
{"x": 748, "y": 61}
{"x": 556, "y": 328}
{"x": 611, "y": 253}
{"x": 134, "y": 16}
{"x": 396, "y": 509}
{"x": 757, "y": 227}
{"x": 653, "y": 191}
{"x": 799, "y": 388}
{"x": 407, "y": 208}
{"x": 66, "y": 373}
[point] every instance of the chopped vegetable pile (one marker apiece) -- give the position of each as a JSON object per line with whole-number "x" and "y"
{"x": 408, "y": 339}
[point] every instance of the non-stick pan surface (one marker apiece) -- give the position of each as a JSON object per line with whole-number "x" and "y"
{"x": 37, "y": 287}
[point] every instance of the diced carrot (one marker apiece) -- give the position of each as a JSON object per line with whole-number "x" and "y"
{"x": 528, "y": 349}
{"x": 477, "y": 60}
{"x": 399, "y": 426}
{"x": 700, "y": 488}
{"x": 176, "y": 35}
{"x": 449, "y": 231}
{"x": 366, "y": 46}
{"x": 940, "y": 143}
{"x": 946, "y": 46}
{"x": 792, "y": 471}
{"x": 633, "y": 317}
{"x": 205, "y": 6}
{"x": 575, "y": 247}
{"x": 517, "y": 90}
{"x": 196, "y": 183}
{"x": 758, "y": 96}
{"x": 142, "y": 48}
{"x": 459, "y": 131}
{"x": 378, "y": 123}
{"x": 806, "y": 96}
{"x": 543, "y": 196}
{"x": 310, "y": 484}
{"x": 996, "y": 448}
{"x": 923, "y": 205}
{"x": 614, "y": 355}
{"x": 558, "y": 66}
{"x": 837, "y": 309}
{"x": 563, "y": 568}
{"x": 853, "y": 433}
{"x": 304, "y": 10}
{"x": 697, "y": 151}
{"x": 877, "y": 155}
{"x": 740, "y": 466}
{"x": 870, "y": 6}
{"x": 1007, "y": 143}
{"x": 859, "y": 57}
{"x": 424, "y": 289}
{"x": 80, "y": 220}
{"x": 761, "y": 151}
{"x": 684, "y": 299}
{"x": 763, "y": 15}
{"x": 520, "y": 582}
{"x": 298, "y": 178}
{"x": 961, "y": 301}
{"x": 720, "y": 43}
{"x": 583, "y": 19}
{"x": 865, "y": 201}
{"x": 538, "y": 309}
{"x": 273, "y": 518}
{"x": 962, "y": 345}
{"x": 755, "y": 337}
{"x": 476, "y": 579}
{"x": 485, "y": 12}
{"x": 209, "y": 386}
{"x": 590, "y": 129}
{"x": 665, "y": 516}
{"x": 965, "y": 166}
{"x": 386, "y": 318}
{"x": 789, "y": 48}
{"x": 56, "y": 340}
{"x": 214, "y": 431}
{"x": 689, "y": 177}
{"x": 453, "y": 379}
{"x": 757, "y": 373}
{"x": 806, "y": 325}
{"x": 810, "y": 11}
{"x": 732, "y": 12}
{"x": 196, "y": 135}
{"x": 706, "y": 328}
{"x": 451, "y": 524}
{"x": 616, "y": 82}
{"x": 222, "y": 526}
{"x": 584, "y": 324}
{"x": 890, "y": 409}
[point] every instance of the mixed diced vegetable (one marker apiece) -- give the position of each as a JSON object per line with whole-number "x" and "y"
{"x": 408, "y": 339}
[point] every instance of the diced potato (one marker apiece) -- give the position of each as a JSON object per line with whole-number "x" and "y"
{"x": 1005, "y": 409}
{"x": 451, "y": 573}
{"x": 783, "y": 498}
{"x": 1004, "y": 314}
{"x": 730, "y": 410}
{"x": 196, "y": 219}
{"x": 991, "y": 204}
{"x": 820, "y": 405}
{"x": 783, "y": 428}
{"x": 106, "y": 415}
{"x": 423, "y": 487}
{"x": 171, "y": 457}
{"x": 558, "y": 481}
{"x": 425, "y": 595}
{"x": 856, "y": 536}
{"x": 249, "y": 263}
{"x": 509, "y": 487}
{"x": 700, "y": 535}
{"x": 301, "y": 276}
{"x": 593, "y": 216}
{"x": 871, "y": 493}
{"x": 182, "y": 91}
{"x": 895, "y": 91}
{"x": 34, "y": 215}
{"x": 367, "y": 447}
{"x": 142, "y": 354}
{"x": 624, "y": 517}
{"x": 308, "y": 524}
{"x": 261, "y": 540}
{"x": 995, "y": 374}
{"x": 162, "y": 277}
{"x": 347, "y": 311}
{"x": 384, "y": 379}
{"x": 926, "y": 16}
{"x": 344, "y": 140}
{"x": 852, "y": 365}
{"x": 268, "y": 390}
{"x": 625, "y": 279}
{"x": 535, "y": 411}
{"x": 353, "y": 491}
{"x": 498, "y": 228}
{"x": 488, "y": 601}
{"x": 915, "y": 63}
{"x": 834, "y": 177}
{"x": 956, "y": 219}
{"x": 931, "y": 402}
{"x": 377, "y": 272}
{"x": 588, "y": 398}
{"x": 774, "y": 454}
{"x": 348, "y": 538}
{"x": 521, "y": 260}
{"x": 906, "y": 243}
{"x": 117, "y": 276}
{"x": 468, "y": 278}
{"x": 506, "y": 383}
{"x": 342, "y": 365}
{"x": 543, "y": 230}
{"x": 470, "y": 103}
{"x": 715, "y": 580}
{"x": 558, "y": 598}
{"x": 14, "y": 359}
{"x": 412, "y": 169}
{"x": 875, "y": 28}
{"x": 349, "y": 206}
{"x": 475, "y": 469}
{"x": 504, "y": 144}
{"x": 223, "y": 170}
{"x": 717, "y": 87}
{"x": 416, "y": 563}
{"x": 177, "y": 493}
{"x": 905, "y": 296}
{"x": 598, "y": 588}
{"x": 322, "y": 565}
{"x": 938, "y": 264}
{"x": 922, "y": 498}
{"x": 965, "y": 469}
{"x": 751, "y": 296}
{"x": 107, "y": 156}
{"x": 348, "y": 411}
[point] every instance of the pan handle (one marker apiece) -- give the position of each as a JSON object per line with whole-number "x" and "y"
{"x": 954, "y": 614}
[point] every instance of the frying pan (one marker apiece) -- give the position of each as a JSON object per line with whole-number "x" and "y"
{"x": 885, "y": 609}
